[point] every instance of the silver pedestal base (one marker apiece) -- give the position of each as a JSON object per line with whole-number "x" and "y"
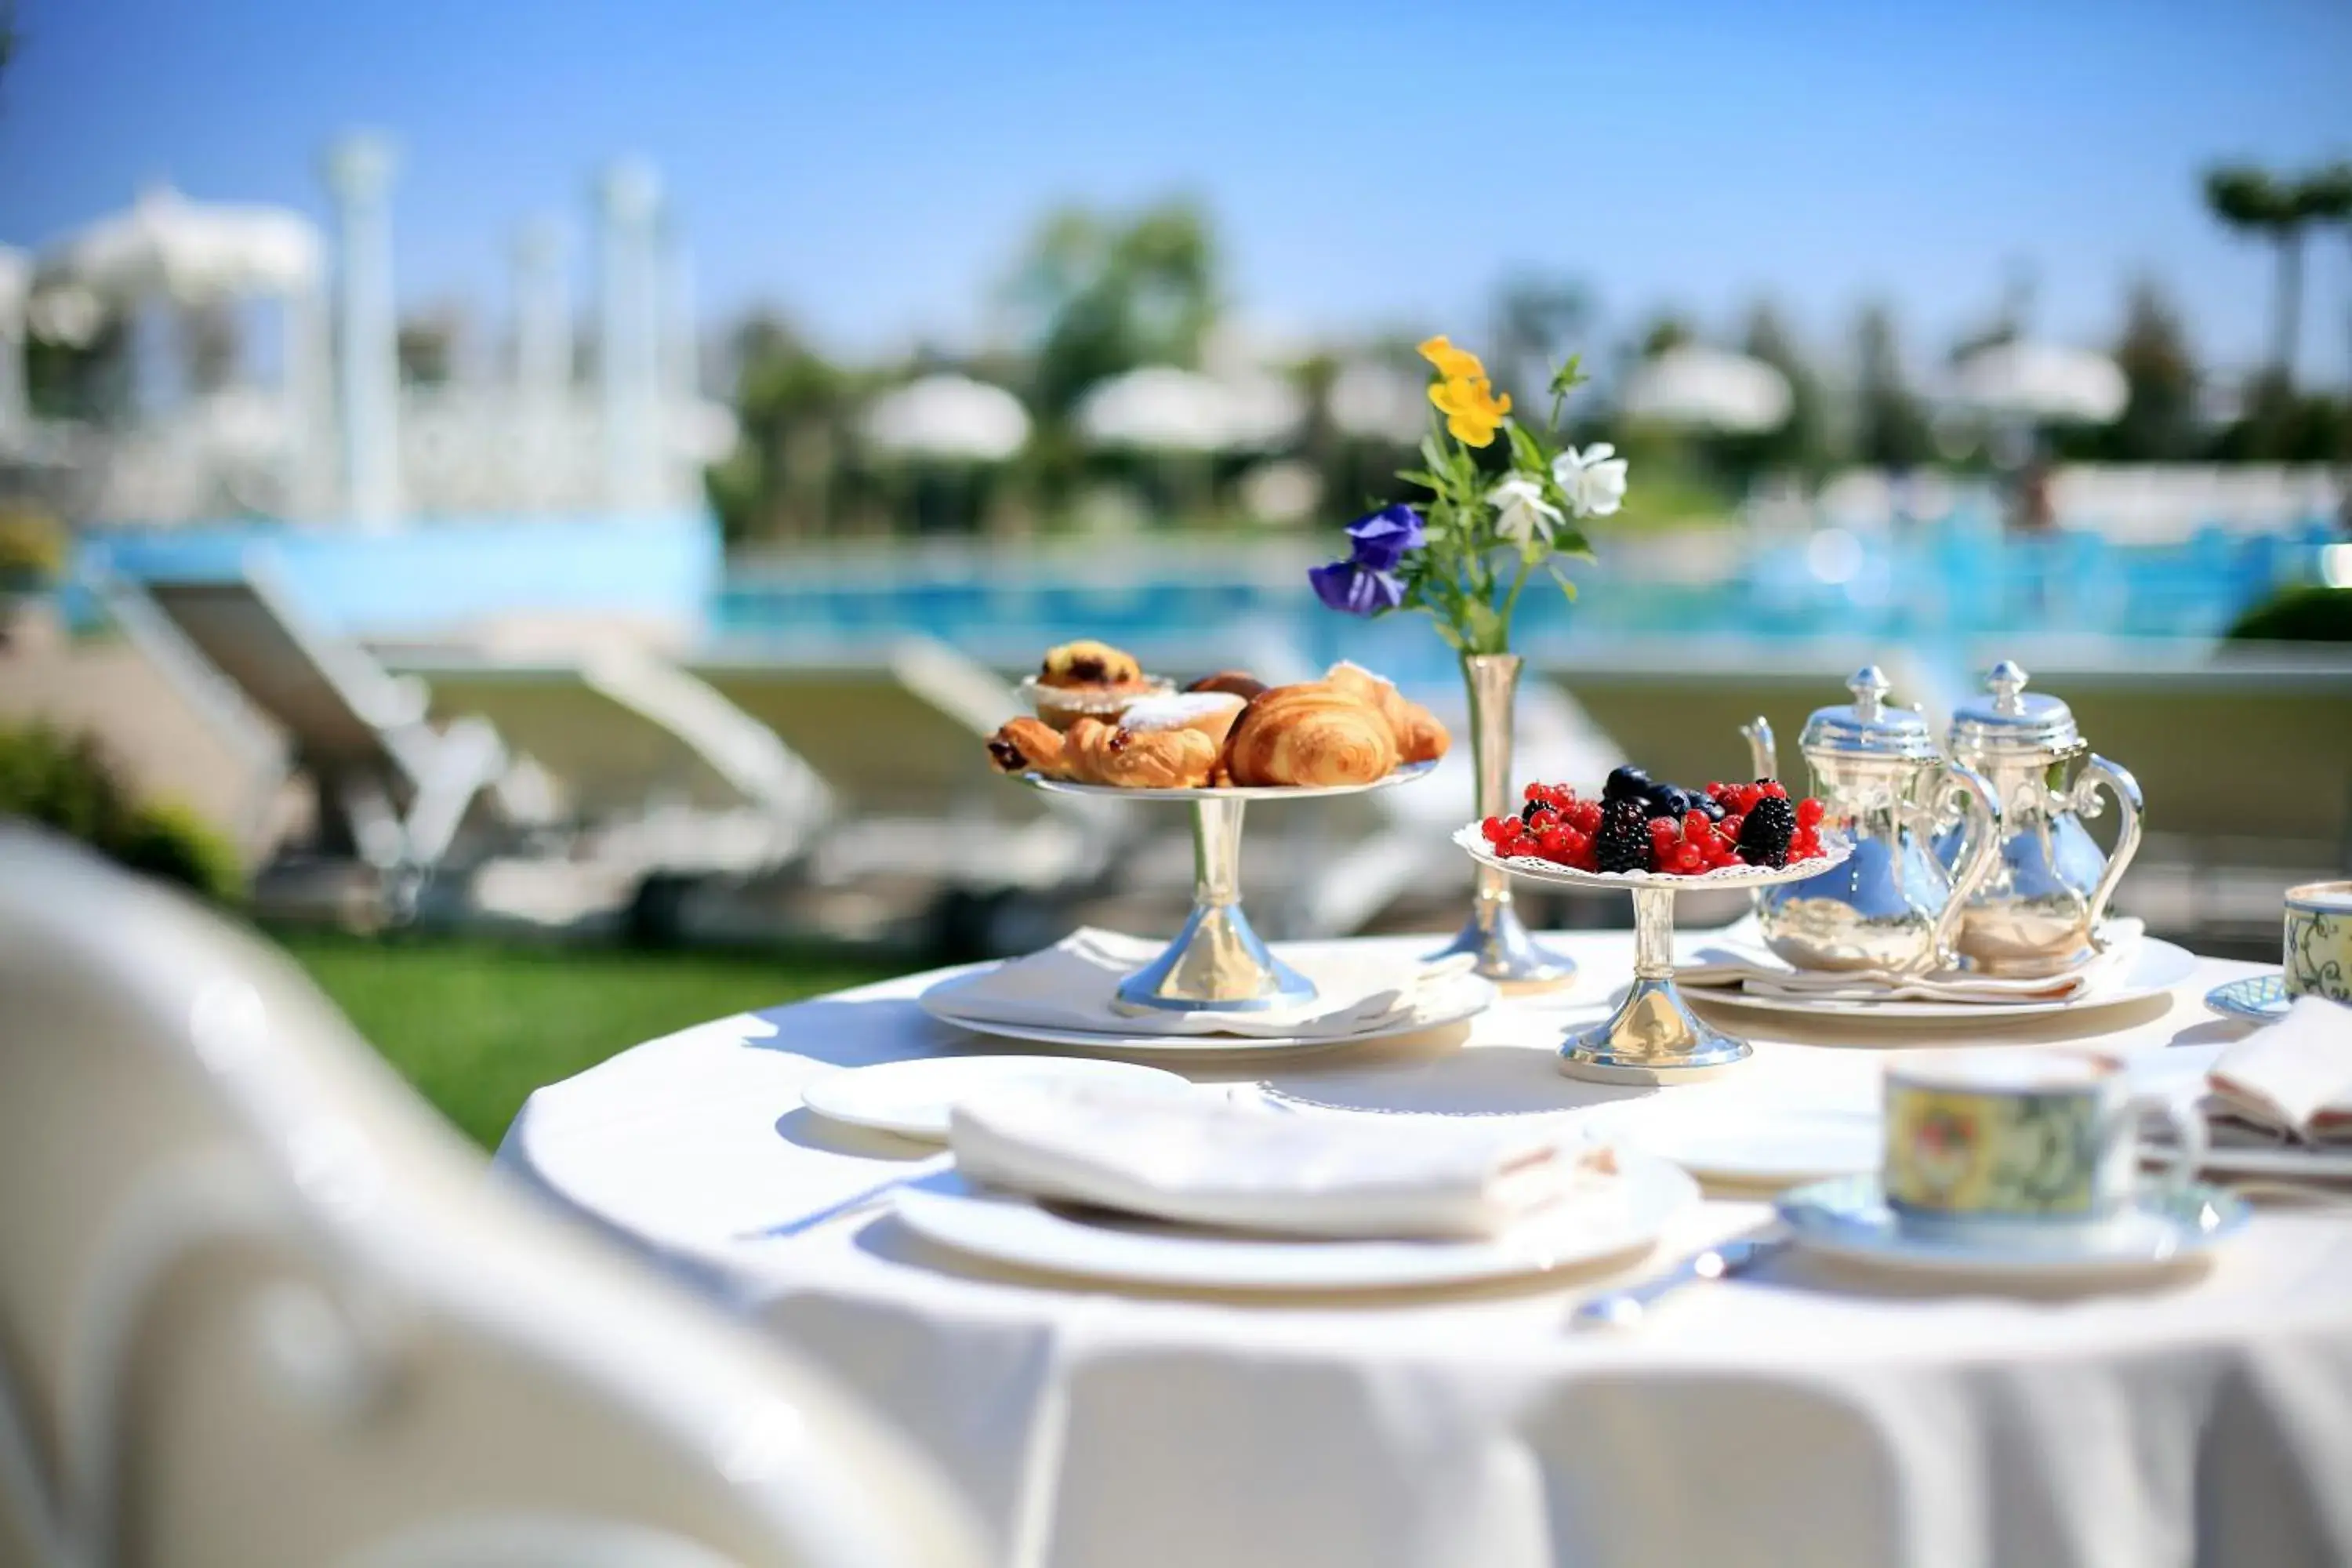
{"x": 1216, "y": 964}
{"x": 1654, "y": 1037}
{"x": 1507, "y": 954}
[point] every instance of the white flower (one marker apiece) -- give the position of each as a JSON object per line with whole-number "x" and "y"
{"x": 1521, "y": 512}
{"x": 1593, "y": 481}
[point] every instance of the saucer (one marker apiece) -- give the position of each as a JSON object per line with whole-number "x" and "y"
{"x": 2256, "y": 999}
{"x": 1848, "y": 1219}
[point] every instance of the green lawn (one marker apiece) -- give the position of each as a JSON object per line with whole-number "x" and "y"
{"x": 476, "y": 1026}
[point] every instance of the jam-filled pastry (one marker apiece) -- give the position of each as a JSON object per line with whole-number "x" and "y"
{"x": 1420, "y": 737}
{"x": 1088, "y": 680}
{"x": 1177, "y": 758}
{"x": 1211, "y": 712}
{"x": 1312, "y": 735}
{"x": 1027, "y": 746}
{"x": 1240, "y": 682}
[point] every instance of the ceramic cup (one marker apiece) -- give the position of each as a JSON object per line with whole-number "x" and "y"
{"x": 2027, "y": 1140}
{"x": 2318, "y": 959}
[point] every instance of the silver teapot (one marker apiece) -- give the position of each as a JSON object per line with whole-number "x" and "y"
{"x": 1894, "y": 904}
{"x": 2039, "y": 911}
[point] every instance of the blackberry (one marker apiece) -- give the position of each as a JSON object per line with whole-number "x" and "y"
{"x": 1764, "y": 835}
{"x": 1625, "y": 783}
{"x": 1622, "y": 844}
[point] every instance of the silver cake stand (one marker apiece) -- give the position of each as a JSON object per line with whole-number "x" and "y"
{"x": 1654, "y": 1037}
{"x": 1217, "y": 964}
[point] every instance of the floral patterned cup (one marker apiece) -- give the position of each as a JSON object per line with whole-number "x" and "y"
{"x": 2319, "y": 941}
{"x": 2023, "y": 1138}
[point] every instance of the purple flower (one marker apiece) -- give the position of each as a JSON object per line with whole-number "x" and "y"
{"x": 1355, "y": 589}
{"x": 1382, "y": 539}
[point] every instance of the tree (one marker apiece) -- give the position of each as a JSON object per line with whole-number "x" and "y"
{"x": 2253, "y": 203}
{"x": 1802, "y": 440}
{"x": 2160, "y": 418}
{"x": 1890, "y": 430}
{"x": 1098, "y": 294}
{"x": 2327, "y": 197}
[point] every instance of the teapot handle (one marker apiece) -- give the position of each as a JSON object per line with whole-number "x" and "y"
{"x": 2085, "y": 799}
{"x": 1979, "y": 848}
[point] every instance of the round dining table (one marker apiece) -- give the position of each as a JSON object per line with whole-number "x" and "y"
{"x": 1803, "y": 1413}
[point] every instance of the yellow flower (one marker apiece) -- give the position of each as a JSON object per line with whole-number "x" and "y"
{"x": 1453, "y": 363}
{"x": 1473, "y": 411}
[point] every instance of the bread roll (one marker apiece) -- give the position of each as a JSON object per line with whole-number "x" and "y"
{"x": 1096, "y": 752}
{"x": 1313, "y": 736}
{"x": 1211, "y": 712}
{"x": 1240, "y": 682}
{"x": 1420, "y": 737}
{"x": 1027, "y": 746}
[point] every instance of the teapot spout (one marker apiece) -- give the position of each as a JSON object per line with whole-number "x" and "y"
{"x": 1760, "y": 750}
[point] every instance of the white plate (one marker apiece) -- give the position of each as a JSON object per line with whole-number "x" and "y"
{"x": 2157, "y": 968}
{"x": 1619, "y": 1216}
{"x": 1848, "y": 1219}
{"x": 1755, "y": 1145}
{"x": 912, "y": 1098}
{"x": 1444, "y": 1003}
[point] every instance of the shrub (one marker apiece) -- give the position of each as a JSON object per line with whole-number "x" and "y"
{"x": 32, "y": 546}
{"x": 2307, "y": 614}
{"x": 65, "y": 782}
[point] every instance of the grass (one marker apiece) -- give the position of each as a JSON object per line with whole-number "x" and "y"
{"x": 477, "y": 1026}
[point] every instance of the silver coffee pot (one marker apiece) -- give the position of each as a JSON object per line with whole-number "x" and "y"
{"x": 2038, "y": 912}
{"x": 1894, "y": 904}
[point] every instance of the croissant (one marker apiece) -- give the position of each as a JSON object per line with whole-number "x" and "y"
{"x": 1240, "y": 682}
{"x": 1028, "y": 746}
{"x": 1313, "y": 736}
{"x": 1420, "y": 737}
{"x": 1096, "y": 753}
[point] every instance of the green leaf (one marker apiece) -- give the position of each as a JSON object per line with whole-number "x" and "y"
{"x": 1566, "y": 587}
{"x": 1527, "y": 452}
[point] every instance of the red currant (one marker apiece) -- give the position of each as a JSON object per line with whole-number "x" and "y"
{"x": 1810, "y": 812}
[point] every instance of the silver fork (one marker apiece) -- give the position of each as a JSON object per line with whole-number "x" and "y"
{"x": 1624, "y": 1309}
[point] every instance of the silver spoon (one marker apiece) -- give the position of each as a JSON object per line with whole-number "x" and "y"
{"x": 1624, "y": 1309}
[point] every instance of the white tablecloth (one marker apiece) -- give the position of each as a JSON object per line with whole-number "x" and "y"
{"x": 1802, "y": 1416}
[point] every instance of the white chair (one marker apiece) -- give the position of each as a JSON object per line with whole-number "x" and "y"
{"x": 398, "y": 787}
{"x": 258, "y": 1307}
{"x": 656, "y": 764}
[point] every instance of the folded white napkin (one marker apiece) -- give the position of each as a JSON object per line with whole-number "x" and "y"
{"x": 1737, "y": 958}
{"x": 2295, "y": 1074}
{"x": 1074, "y": 984}
{"x": 1204, "y": 1160}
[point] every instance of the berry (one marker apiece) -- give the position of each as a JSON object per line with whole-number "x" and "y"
{"x": 1585, "y": 817}
{"x": 1624, "y": 842}
{"x": 1697, "y": 826}
{"x": 1625, "y": 783}
{"x": 1810, "y": 812}
{"x": 1494, "y": 828}
{"x": 1688, "y": 861}
{"x": 1731, "y": 825}
{"x": 1553, "y": 844}
{"x": 1772, "y": 787}
{"x": 1765, "y": 836}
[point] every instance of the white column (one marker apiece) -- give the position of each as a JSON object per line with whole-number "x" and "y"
{"x": 542, "y": 349}
{"x": 16, "y": 283}
{"x": 628, "y": 352}
{"x": 359, "y": 171}
{"x": 681, "y": 371}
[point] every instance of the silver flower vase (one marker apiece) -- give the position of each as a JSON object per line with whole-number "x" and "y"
{"x": 1506, "y": 954}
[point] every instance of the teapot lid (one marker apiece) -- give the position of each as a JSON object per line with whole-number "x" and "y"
{"x": 2009, "y": 718}
{"x": 1867, "y": 727}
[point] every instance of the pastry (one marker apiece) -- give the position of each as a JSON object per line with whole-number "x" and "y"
{"x": 1177, "y": 758}
{"x": 1027, "y": 746}
{"x": 1211, "y": 712}
{"x": 1088, "y": 680}
{"x": 1314, "y": 735}
{"x": 1420, "y": 737}
{"x": 1240, "y": 682}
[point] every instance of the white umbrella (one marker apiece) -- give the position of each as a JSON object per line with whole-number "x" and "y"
{"x": 189, "y": 251}
{"x": 949, "y": 416}
{"x": 1710, "y": 389}
{"x": 2041, "y": 382}
{"x": 1160, "y": 408}
{"x": 1379, "y": 402}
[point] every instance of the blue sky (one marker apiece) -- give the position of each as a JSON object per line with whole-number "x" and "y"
{"x": 871, "y": 168}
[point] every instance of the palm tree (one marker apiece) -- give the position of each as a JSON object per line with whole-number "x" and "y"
{"x": 2326, "y": 198}
{"x": 2252, "y": 202}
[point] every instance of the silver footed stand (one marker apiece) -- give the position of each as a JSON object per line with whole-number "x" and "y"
{"x": 1508, "y": 955}
{"x": 1653, "y": 1037}
{"x": 1216, "y": 962}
